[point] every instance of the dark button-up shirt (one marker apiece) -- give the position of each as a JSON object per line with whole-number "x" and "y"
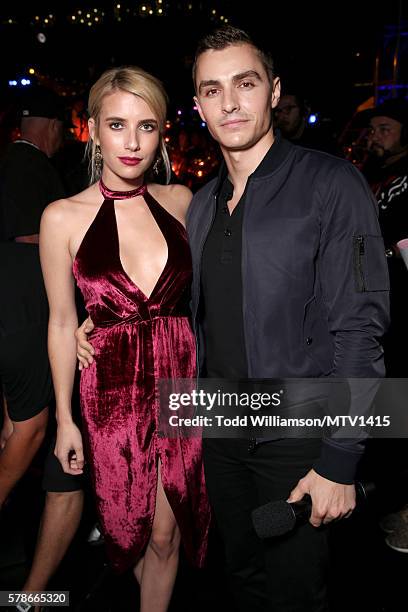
{"x": 222, "y": 291}
{"x": 221, "y": 281}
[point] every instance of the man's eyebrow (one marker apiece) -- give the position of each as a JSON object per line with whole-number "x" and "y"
{"x": 208, "y": 83}
{"x": 246, "y": 74}
{"x": 382, "y": 124}
{"x": 235, "y": 79}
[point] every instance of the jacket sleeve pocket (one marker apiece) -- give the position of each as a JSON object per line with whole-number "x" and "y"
{"x": 370, "y": 264}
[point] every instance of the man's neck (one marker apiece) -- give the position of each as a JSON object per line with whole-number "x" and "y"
{"x": 241, "y": 164}
{"x": 35, "y": 139}
{"x": 392, "y": 159}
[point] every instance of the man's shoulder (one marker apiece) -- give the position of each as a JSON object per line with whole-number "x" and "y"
{"x": 320, "y": 158}
{"x": 204, "y": 192}
{"x": 201, "y": 197}
{"x": 22, "y": 160}
{"x": 199, "y": 202}
{"x": 325, "y": 169}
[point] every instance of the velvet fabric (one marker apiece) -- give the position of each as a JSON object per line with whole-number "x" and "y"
{"x": 138, "y": 340}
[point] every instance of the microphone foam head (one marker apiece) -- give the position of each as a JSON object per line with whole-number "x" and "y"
{"x": 273, "y": 519}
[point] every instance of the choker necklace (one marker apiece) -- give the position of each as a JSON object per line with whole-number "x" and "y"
{"x": 108, "y": 194}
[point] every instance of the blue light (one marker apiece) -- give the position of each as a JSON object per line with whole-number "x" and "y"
{"x": 203, "y": 124}
{"x": 25, "y": 82}
{"x": 12, "y": 83}
{"x": 312, "y": 118}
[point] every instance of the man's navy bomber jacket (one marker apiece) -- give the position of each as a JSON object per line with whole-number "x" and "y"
{"x": 314, "y": 277}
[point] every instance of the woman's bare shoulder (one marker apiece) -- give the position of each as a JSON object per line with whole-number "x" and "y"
{"x": 65, "y": 209}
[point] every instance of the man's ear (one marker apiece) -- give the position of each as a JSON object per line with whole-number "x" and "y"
{"x": 200, "y": 112}
{"x": 53, "y": 123}
{"x": 92, "y": 129}
{"x": 276, "y": 92}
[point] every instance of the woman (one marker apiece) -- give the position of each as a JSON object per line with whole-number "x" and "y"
{"x": 124, "y": 242}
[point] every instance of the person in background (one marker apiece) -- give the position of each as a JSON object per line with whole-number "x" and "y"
{"x": 386, "y": 170}
{"x": 291, "y": 118}
{"x": 28, "y": 183}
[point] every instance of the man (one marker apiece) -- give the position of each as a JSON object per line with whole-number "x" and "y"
{"x": 291, "y": 118}
{"x": 28, "y": 183}
{"x": 276, "y": 293}
{"x": 387, "y": 172}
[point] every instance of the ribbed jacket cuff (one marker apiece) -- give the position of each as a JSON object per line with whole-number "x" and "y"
{"x": 337, "y": 463}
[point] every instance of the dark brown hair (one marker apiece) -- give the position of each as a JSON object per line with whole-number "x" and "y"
{"x": 226, "y": 36}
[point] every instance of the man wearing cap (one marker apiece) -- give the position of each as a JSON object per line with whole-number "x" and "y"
{"x": 28, "y": 183}
{"x": 387, "y": 173}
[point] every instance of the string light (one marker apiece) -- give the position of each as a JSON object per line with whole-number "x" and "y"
{"x": 89, "y": 16}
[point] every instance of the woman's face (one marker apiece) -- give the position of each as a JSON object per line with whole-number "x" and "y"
{"x": 128, "y": 136}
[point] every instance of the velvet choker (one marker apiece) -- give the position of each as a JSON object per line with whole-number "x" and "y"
{"x": 108, "y": 194}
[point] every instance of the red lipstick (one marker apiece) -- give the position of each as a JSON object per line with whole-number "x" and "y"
{"x": 130, "y": 161}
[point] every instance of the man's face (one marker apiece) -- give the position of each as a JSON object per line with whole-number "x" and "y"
{"x": 287, "y": 115}
{"x": 384, "y": 138}
{"x": 234, "y": 96}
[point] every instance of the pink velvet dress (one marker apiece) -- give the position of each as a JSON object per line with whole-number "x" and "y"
{"x": 138, "y": 340}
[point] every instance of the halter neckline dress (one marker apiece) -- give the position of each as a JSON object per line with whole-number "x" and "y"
{"x": 138, "y": 340}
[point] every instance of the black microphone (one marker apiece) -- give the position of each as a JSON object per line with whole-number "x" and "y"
{"x": 278, "y": 517}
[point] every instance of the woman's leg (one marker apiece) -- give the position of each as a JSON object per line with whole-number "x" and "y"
{"x": 157, "y": 570}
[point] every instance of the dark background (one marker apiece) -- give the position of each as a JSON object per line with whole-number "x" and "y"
{"x": 315, "y": 44}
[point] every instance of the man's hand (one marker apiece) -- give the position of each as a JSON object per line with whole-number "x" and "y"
{"x": 69, "y": 449}
{"x": 330, "y": 500}
{"x": 84, "y": 348}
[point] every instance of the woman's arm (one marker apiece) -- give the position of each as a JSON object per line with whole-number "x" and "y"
{"x": 59, "y": 283}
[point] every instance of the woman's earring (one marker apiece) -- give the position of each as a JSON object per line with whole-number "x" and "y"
{"x": 98, "y": 158}
{"x": 156, "y": 165}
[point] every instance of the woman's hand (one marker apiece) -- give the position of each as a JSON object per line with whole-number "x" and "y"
{"x": 5, "y": 433}
{"x": 69, "y": 449}
{"x": 84, "y": 348}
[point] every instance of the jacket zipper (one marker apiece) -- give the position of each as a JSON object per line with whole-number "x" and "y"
{"x": 359, "y": 250}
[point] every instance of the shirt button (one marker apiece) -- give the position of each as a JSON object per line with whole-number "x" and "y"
{"x": 309, "y": 341}
{"x": 227, "y": 232}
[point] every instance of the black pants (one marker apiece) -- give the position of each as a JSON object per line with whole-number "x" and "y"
{"x": 285, "y": 574}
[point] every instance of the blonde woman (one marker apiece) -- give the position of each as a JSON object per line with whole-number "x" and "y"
{"x": 124, "y": 243}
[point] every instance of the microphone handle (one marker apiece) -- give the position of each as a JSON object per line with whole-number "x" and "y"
{"x": 302, "y": 509}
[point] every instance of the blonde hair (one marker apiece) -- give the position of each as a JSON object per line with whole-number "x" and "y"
{"x": 137, "y": 81}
